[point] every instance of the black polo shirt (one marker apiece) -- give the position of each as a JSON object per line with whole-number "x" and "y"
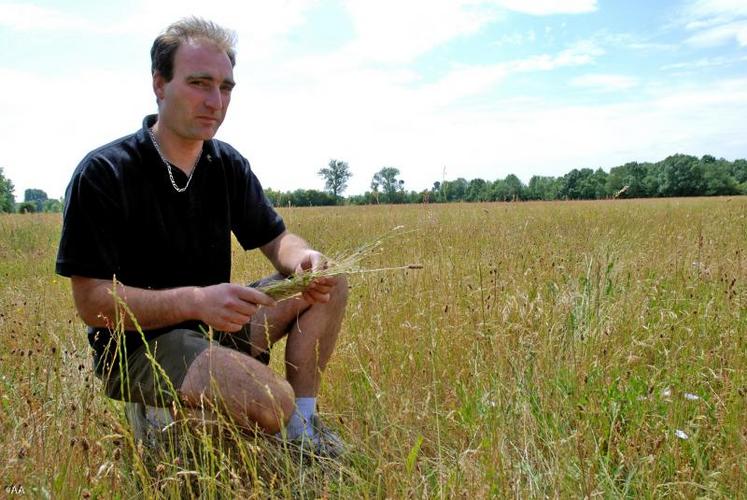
{"x": 124, "y": 219}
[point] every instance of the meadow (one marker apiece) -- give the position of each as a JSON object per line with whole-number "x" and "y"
{"x": 545, "y": 349}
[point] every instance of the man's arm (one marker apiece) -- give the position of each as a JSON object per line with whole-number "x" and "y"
{"x": 225, "y": 307}
{"x": 290, "y": 254}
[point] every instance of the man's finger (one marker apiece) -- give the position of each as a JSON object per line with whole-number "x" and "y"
{"x": 316, "y": 297}
{"x": 322, "y": 284}
{"x": 254, "y": 296}
{"x": 233, "y": 327}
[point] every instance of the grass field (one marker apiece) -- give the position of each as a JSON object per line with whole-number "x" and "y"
{"x": 544, "y": 350}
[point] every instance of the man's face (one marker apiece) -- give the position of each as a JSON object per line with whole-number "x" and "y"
{"x": 194, "y": 103}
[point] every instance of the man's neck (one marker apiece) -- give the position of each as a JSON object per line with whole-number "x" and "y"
{"x": 180, "y": 152}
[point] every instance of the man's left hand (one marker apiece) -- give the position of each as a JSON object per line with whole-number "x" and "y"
{"x": 319, "y": 289}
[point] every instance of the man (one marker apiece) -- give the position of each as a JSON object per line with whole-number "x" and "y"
{"x": 152, "y": 213}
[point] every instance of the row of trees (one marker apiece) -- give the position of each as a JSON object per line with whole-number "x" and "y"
{"x": 677, "y": 175}
{"x": 34, "y": 200}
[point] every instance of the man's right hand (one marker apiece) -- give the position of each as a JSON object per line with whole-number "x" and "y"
{"x": 228, "y": 307}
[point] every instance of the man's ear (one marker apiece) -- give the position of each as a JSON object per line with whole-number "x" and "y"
{"x": 159, "y": 82}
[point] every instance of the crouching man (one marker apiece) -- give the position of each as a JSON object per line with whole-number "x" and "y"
{"x": 154, "y": 212}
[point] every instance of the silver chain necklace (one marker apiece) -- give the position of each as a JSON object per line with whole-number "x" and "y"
{"x": 168, "y": 165}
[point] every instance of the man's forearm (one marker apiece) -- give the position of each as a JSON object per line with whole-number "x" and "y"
{"x": 100, "y": 304}
{"x": 286, "y": 252}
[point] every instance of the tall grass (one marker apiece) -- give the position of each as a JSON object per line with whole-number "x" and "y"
{"x": 545, "y": 349}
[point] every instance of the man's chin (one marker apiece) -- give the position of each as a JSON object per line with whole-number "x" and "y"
{"x": 199, "y": 131}
{"x": 207, "y": 133}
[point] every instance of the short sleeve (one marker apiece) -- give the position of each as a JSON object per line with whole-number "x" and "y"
{"x": 253, "y": 219}
{"x": 92, "y": 222}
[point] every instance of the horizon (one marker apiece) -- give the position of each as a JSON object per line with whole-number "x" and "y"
{"x": 439, "y": 90}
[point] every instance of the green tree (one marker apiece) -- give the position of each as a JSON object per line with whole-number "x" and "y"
{"x": 454, "y": 190}
{"x": 499, "y": 191}
{"x": 386, "y": 179}
{"x": 476, "y": 190}
{"x": 718, "y": 179}
{"x": 739, "y": 170}
{"x": 310, "y": 198}
{"x": 436, "y": 192}
{"x": 682, "y": 175}
{"x": 300, "y": 198}
{"x": 53, "y": 206}
{"x": 573, "y": 184}
{"x": 584, "y": 184}
{"x": 653, "y": 179}
{"x": 631, "y": 174}
{"x": 336, "y": 176}
{"x": 515, "y": 188}
{"x": 37, "y": 197}
{"x": 274, "y": 197}
{"x": 27, "y": 207}
{"x": 542, "y": 188}
{"x": 594, "y": 186}
{"x": 7, "y": 198}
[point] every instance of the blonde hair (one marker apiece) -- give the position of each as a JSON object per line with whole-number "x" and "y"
{"x": 191, "y": 28}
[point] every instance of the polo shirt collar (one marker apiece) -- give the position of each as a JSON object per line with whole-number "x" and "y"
{"x": 209, "y": 150}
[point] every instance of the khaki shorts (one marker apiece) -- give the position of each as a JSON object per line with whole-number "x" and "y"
{"x": 155, "y": 375}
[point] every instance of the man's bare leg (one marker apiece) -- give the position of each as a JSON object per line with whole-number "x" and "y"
{"x": 250, "y": 391}
{"x": 312, "y": 331}
{"x": 234, "y": 383}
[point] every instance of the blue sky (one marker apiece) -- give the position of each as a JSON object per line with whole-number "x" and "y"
{"x": 439, "y": 89}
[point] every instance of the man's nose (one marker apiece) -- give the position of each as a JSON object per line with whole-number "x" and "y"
{"x": 214, "y": 99}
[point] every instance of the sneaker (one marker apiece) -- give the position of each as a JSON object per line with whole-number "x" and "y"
{"x": 149, "y": 424}
{"x": 324, "y": 443}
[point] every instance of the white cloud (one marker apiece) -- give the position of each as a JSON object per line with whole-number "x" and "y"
{"x": 516, "y": 39}
{"x": 634, "y": 41}
{"x": 716, "y": 22}
{"x": 728, "y": 9}
{"x": 28, "y": 17}
{"x": 549, "y": 7}
{"x": 721, "y": 34}
{"x": 705, "y": 62}
{"x": 69, "y": 117}
{"x": 396, "y": 31}
{"x": 262, "y": 26}
{"x": 605, "y": 82}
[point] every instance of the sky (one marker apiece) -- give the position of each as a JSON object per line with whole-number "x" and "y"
{"x": 439, "y": 89}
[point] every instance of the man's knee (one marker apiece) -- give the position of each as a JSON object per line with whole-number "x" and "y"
{"x": 339, "y": 294}
{"x": 248, "y": 390}
{"x": 275, "y": 411}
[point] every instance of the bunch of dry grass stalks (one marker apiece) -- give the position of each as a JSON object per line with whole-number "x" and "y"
{"x": 341, "y": 264}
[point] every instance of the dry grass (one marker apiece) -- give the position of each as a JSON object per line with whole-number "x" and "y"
{"x": 545, "y": 349}
{"x": 346, "y": 263}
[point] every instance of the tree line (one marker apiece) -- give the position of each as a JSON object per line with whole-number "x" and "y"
{"x": 34, "y": 200}
{"x": 676, "y": 175}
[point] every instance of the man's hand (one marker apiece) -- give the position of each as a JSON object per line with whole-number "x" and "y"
{"x": 319, "y": 289}
{"x": 228, "y": 307}
{"x": 290, "y": 254}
